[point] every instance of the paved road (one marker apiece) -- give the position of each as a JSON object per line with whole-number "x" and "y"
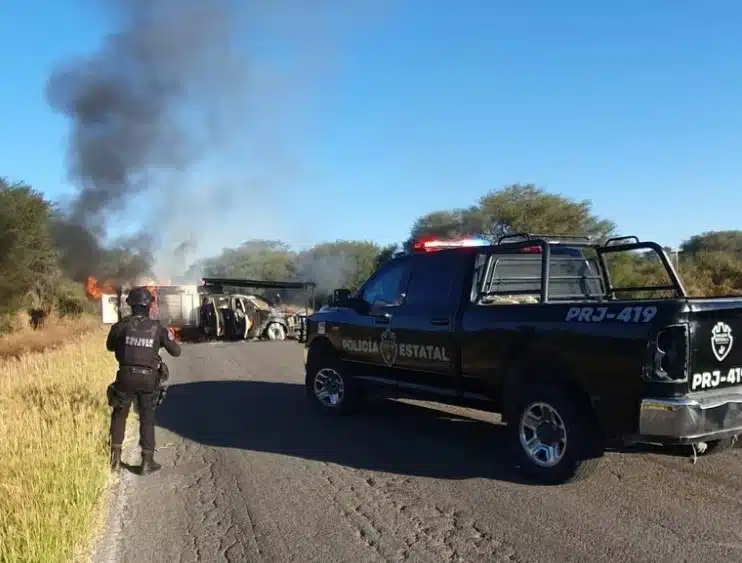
{"x": 250, "y": 474}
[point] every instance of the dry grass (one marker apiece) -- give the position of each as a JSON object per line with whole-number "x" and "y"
{"x": 53, "y": 460}
{"x": 54, "y": 334}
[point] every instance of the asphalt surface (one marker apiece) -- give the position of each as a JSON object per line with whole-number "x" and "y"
{"x": 250, "y": 473}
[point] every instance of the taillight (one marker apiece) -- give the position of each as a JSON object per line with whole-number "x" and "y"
{"x": 670, "y": 354}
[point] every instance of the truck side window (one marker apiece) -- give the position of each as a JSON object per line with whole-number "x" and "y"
{"x": 385, "y": 288}
{"x": 513, "y": 278}
{"x": 432, "y": 278}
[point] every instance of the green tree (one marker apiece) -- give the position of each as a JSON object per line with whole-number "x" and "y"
{"x": 712, "y": 273}
{"x": 527, "y": 208}
{"x": 714, "y": 241}
{"x": 448, "y": 224}
{"x": 710, "y": 263}
{"x": 512, "y": 209}
{"x": 28, "y": 260}
{"x": 387, "y": 253}
{"x": 264, "y": 260}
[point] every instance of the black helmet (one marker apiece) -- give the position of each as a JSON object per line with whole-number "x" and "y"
{"x": 140, "y": 297}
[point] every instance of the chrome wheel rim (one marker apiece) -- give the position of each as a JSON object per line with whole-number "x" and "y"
{"x": 329, "y": 387}
{"x": 543, "y": 435}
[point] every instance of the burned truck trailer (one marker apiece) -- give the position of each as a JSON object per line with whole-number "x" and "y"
{"x": 176, "y": 306}
{"x": 210, "y": 310}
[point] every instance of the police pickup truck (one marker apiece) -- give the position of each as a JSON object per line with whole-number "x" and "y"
{"x": 533, "y": 327}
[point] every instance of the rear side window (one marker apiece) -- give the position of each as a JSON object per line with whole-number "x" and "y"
{"x": 434, "y": 279}
{"x": 517, "y": 278}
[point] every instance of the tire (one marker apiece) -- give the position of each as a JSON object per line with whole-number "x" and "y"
{"x": 275, "y": 331}
{"x": 324, "y": 369}
{"x": 582, "y": 447}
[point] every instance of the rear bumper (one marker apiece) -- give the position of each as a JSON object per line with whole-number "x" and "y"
{"x": 691, "y": 419}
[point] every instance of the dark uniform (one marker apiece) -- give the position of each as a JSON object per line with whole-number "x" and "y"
{"x": 136, "y": 340}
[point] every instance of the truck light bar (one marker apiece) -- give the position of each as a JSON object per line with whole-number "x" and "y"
{"x": 433, "y": 244}
{"x": 429, "y": 245}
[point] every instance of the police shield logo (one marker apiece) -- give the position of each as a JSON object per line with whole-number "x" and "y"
{"x": 721, "y": 340}
{"x": 388, "y": 347}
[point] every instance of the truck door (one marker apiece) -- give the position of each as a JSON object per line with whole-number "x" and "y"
{"x": 211, "y": 320}
{"x": 423, "y": 325}
{"x": 362, "y": 335}
{"x": 242, "y": 319}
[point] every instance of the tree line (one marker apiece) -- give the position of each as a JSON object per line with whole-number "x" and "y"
{"x": 39, "y": 275}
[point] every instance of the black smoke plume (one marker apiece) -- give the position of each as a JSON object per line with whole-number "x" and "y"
{"x": 164, "y": 93}
{"x": 139, "y": 108}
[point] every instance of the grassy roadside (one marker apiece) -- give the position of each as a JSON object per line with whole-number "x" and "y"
{"x": 53, "y": 423}
{"x": 56, "y": 333}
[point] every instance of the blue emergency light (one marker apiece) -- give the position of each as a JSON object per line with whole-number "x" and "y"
{"x": 429, "y": 245}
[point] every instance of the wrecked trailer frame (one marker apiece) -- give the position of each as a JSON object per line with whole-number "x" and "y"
{"x": 176, "y": 306}
{"x": 263, "y": 323}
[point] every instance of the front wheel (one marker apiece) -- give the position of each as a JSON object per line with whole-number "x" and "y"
{"x": 554, "y": 437}
{"x": 276, "y": 331}
{"x": 328, "y": 385}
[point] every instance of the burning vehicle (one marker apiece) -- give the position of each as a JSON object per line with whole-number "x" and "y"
{"x": 210, "y": 310}
{"x": 251, "y": 316}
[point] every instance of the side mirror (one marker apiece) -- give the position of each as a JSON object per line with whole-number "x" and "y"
{"x": 340, "y": 295}
{"x": 342, "y": 298}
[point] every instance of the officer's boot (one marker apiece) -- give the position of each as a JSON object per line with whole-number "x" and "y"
{"x": 149, "y": 465}
{"x": 115, "y": 459}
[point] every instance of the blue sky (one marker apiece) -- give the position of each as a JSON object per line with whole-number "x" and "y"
{"x": 634, "y": 105}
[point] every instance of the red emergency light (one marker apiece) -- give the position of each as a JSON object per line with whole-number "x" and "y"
{"x": 432, "y": 244}
{"x": 531, "y": 249}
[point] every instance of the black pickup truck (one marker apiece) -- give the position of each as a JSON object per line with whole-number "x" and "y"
{"x": 532, "y": 327}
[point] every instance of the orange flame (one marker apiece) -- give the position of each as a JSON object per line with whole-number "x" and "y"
{"x": 96, "y": 290}
{"x": 176, "y": 332}
{"x": 152, "y": 286}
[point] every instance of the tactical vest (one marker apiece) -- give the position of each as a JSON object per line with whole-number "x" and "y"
{"x": 139, "y": 343}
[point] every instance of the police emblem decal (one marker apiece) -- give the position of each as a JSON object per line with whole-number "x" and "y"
{"x": 721, "y": 340}
{"x": 388, "y": 347}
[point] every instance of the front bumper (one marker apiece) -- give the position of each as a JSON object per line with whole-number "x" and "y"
{"x": 691, "y": 419}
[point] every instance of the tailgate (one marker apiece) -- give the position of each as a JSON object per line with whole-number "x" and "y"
{"x": 716, "y": 343}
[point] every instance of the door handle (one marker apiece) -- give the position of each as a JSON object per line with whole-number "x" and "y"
{"x": 439, "y": 321}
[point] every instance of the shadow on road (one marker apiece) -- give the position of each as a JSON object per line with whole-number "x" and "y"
{"x": 387, "y": 436}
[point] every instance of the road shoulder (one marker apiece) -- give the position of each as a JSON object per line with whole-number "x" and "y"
{"x": 107, "y": 542}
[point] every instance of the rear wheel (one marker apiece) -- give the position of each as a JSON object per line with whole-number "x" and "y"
{"x": 328, "y": 385}
{"x": 554, "y": 435}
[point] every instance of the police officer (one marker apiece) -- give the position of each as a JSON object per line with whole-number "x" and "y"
{"x": 136, "y": 341}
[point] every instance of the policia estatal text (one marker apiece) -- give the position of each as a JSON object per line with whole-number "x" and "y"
{"x": 136, "y": 341}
